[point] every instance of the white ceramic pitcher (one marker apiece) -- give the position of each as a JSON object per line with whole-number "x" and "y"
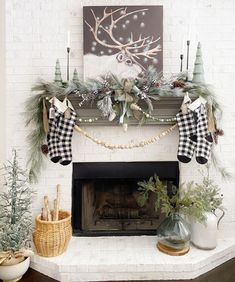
{"x": 204, "y": 235}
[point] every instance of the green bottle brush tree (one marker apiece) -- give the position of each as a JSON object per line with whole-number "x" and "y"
{"x": 15, "y": 214}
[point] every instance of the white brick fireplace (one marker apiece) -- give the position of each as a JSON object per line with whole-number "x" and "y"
{"x": 36, "y": 36}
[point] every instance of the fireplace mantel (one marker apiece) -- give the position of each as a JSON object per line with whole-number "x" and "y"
{"x": 165, "y": 107}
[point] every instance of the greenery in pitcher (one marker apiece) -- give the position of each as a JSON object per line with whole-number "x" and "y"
{"x": 191, "y": 199}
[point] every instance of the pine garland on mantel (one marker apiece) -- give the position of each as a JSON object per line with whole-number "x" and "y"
{"x": 115, "y": 98}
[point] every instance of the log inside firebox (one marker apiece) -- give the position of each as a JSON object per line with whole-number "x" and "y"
{"x": 115, "y": 207}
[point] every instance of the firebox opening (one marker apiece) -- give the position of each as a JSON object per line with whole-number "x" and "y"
{"x": 105, "y": 197}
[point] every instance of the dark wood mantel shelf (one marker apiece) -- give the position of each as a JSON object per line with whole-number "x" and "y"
{"x": 165, "y": 107}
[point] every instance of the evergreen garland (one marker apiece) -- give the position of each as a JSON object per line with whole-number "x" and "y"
{"x": 112, "y": 96}
{"x": 33, "y": 118}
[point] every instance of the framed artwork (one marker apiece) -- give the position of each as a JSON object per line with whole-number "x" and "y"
{"x": 124, "y": 40}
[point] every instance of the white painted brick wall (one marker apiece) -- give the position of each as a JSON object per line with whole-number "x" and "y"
{"x": 36, "y": 36}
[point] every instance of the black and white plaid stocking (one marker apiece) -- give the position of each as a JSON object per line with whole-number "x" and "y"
{"x": 52, "y": 136}
{"x": 204, "y": 138}
{"x": 65, "y": 133}
{"x": 187, "y": 136}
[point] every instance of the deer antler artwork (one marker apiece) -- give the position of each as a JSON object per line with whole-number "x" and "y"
{"x": 134, "y": 50}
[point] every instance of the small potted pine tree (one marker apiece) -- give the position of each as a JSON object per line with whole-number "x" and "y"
{"x": 15, "y": 221}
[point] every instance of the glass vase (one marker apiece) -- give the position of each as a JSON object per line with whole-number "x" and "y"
{"x": 174, "y": 233}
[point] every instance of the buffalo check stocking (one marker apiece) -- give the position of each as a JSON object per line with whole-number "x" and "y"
{"x": 65, "y": 133}
{"x": 187, "y": 136}
{"x": 204, "y": 138}
{"x": 52, "y": 136}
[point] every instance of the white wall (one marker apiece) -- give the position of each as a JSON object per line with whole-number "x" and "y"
{"x": 36, "y": 33}
{"x": 2, "y": 81}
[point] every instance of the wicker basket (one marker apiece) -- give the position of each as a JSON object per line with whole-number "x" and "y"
{"x": 51, "y": 238}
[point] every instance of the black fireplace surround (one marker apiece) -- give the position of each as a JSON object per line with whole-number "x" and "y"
{"x": 90, "y": 176}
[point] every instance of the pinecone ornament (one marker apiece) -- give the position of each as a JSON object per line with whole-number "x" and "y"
{"x": 44, "y": 149}
{"x": 178, "y": 83}
{"x": 217, "y": 133}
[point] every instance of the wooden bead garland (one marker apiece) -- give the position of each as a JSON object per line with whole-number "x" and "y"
{"x": 149, "y": 116}
{"x": 126, "y": 146}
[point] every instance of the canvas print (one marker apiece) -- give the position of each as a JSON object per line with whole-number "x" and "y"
{"x": 124, "y": 40}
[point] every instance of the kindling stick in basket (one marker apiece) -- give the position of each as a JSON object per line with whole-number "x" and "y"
{"x": 54, "y": 211}
{"x": 57, "y": 203}
{"x": 47, "y": 208}
{"x": 43, "y": 214}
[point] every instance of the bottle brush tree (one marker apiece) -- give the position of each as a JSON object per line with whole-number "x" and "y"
{"x": 15, "y": 213}
{"x": 198, "y": 71}
{"x": 58, "y": 78}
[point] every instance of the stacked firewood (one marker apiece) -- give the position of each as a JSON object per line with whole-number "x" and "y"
{"x": 48, "y": 214}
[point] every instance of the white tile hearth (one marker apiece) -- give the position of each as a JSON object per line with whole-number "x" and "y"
{"x": 129, "y": 258}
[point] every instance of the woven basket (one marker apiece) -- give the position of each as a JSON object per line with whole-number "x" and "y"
{"x": 51, "y": 238}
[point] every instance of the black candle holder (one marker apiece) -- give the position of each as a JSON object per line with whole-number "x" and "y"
{"x": 68, "y": 52}
{"x": 187, "y": 62}
{"x": 181, "y": 62}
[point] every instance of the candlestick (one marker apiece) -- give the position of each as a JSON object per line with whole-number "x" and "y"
{"x": 181, "y": 62}
{"x": 68, "y": 51}
{"x": 182, "y": 44}
{"x": 68, "y": 39}
{"x": 187, "y": 62}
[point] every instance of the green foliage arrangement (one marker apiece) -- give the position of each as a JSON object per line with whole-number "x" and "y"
{"x": 191, "y": 199}
{"x": 15, "y": 211}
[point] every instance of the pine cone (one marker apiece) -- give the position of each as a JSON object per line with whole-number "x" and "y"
{"x": 44, "y": 149}
{"x": 178, "y": 83}
{"x": 217, "y": 133}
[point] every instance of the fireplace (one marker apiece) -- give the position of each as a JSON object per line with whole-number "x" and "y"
{"x": 105, "y": 197}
